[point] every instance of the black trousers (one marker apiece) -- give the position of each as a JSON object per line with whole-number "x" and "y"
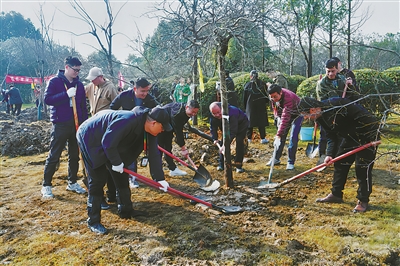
{"x": 61, "y": 134}
{"x": 260, "y": 129}
{"x": 165, "y": 141}
{"x": 364, "y": 163}
{"x": 16, "y": 109}
{"x": 241, "y": 135}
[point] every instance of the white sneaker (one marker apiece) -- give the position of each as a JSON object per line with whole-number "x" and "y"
{"x": 177, "y": 172}
{"x": 239, "y": 170}
{"x": 76, "y": 188}
{"x": 46, "y": 192}
{"x": 289, "y": 166}
{"x": 275, "y": 163}
{"x": 264, "y": 141}
{"x": 133, "y": 183}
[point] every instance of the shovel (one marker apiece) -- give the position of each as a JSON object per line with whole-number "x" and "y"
{"x": 271, "y": 169}
{"x": 202, "y": 176}
{"x": 363, "y": 147}
{"x": 312, "y": 148}
{"x": 175, "y": 192}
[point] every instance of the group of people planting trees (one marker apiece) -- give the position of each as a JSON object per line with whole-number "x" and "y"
{"x": 124, "y": 126}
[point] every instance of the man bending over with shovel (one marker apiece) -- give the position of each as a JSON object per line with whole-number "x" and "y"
{"x": 284, "y": 103}
{"x": 238, "y": 124}
{"x": 179, "y": 115}
{"x": 352, "y": 123}
{"x": 111, "y": 140}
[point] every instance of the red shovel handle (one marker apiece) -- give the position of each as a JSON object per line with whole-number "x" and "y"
{"x": 174, "y": 157}
{"x": 170, "y": 190}
{"x": 363, "y": 147}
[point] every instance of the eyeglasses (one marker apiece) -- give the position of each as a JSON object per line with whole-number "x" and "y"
{"x": 76, "y": 70}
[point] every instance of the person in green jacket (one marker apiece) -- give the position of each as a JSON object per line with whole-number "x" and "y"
{"x": 182, "y": 92}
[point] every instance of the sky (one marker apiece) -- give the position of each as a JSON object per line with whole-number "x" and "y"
{"x": 132, "y": 21}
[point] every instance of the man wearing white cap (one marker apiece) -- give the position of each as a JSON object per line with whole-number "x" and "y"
{"x": 100, "y": 92}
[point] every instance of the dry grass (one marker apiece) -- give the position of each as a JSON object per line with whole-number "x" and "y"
{"x": 286, "y": 227}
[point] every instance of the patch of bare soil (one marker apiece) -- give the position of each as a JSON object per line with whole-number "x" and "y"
{"x": 280, "y": 227}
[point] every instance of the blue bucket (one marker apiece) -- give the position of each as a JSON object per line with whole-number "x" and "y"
{"x": 306, "y": 133}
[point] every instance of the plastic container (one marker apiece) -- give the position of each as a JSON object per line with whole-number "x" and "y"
{"x": 306, "y": 133}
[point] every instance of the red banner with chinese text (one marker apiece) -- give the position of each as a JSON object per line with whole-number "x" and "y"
{"x": 26, "y": 80}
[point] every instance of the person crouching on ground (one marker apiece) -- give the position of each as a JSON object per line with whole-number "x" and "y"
{"x": 238, "y": 124}
{"x": 111, "y": 140}
{"x": 351, "y": 122}
{"x": 284, "y": 103}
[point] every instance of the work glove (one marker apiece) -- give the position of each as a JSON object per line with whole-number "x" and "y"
{"x": 71, "y": 92}
{"x": 164, "y": 185}
{"x": 277, "y": 142}
{"x": 118, "y": 168}
{"x": 184, "y": 152}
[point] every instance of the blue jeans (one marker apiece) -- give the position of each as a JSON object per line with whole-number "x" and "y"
{"x": 293, "y": 140}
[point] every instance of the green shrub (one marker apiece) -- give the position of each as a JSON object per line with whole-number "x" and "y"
{"x": 294, "y": 82}
{"x": 373, "y": 82}
{"x": 307, "y": 87}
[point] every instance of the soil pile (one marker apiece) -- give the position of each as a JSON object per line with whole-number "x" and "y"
{"x": 24, "y": 135}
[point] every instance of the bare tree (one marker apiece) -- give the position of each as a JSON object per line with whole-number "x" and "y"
{"x": 98, "y": 30}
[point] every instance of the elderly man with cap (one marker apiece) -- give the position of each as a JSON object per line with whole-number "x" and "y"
{"x": 351, "y": 125}
{"x": 255, "y": 100}
{"x": 111, "y": 140}
{"x": 139, "y": 96}
{"x": 100, "y": 92}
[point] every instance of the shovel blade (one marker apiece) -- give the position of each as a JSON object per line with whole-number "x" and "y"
{"x": 311, "y": 150}
{"x": 202, "y": 176}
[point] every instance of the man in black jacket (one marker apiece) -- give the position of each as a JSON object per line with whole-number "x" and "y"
{"x": 127, "y": 100}
{"x": 238, "y": 124}
{"x": 111, "y": 139}
{"x": 352, "y": 125}
{"x": 179, "y": 114}
{"x": 255, "y": 101}
{"x": 139, "y": 96}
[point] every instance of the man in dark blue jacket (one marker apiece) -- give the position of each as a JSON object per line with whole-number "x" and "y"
{"x": 112, "y": 139}
{"x": 238, "y": 124}
{"x": 59, "y": 95}
{"x": 15, "y": 100}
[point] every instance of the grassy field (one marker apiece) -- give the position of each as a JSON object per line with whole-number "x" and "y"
{"x": 282, "y": 227}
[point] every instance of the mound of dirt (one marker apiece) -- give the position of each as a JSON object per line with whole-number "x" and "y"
{"x": 23, "y": 135}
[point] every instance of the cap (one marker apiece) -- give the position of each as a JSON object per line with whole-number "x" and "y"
{"x": 161, "y": 116}
{"x": 331, "y": 63}
{"x": 94, "y": 72}
{"x": 142, "y": 82}
{"x": 254, "y": 73}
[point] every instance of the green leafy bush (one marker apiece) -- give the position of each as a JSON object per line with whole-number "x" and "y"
{"x": 294, "y": 82}
{"x": 307, "y": 87}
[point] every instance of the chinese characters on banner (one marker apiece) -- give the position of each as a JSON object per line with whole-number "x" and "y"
{"x": 26, "y": 80}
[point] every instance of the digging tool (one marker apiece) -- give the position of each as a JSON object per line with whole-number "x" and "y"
{"x": 271, "y": 169}
{"x": 312, "y": 148}
{"x": 85, "y": 180}
{"x": 363, "y": 147}
{"x": 175, "y": 192}
{"x": 202, "y": 176}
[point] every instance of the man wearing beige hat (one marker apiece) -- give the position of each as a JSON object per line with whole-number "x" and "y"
{"x": 100, "y": 92}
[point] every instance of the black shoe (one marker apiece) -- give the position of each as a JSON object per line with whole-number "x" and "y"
{"x": 104, "y": 205}
{"x": 97, "y": 228}
{"x": 133, "y": 214}
{"x": 330, "y": 199}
